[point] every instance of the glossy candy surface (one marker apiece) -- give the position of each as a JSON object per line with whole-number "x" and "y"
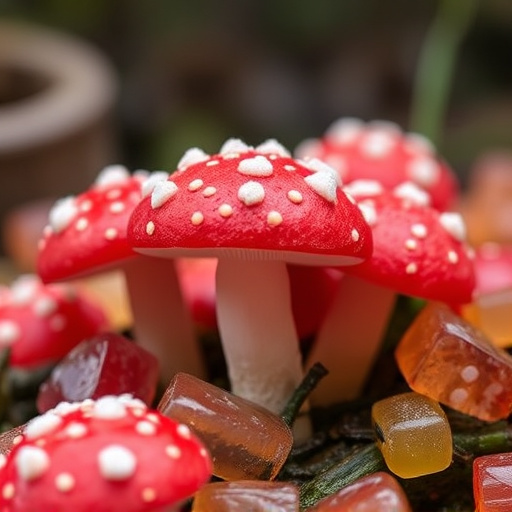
{"x": 413, "y": 434}
{"x": 443, "y": 356}
{"x": 247, "y": 495}
{"x": 379, "y": 492}
{"x": 492, "y": 483}
{"x": 246, "y": 441}
{"x": 107, "y": 364}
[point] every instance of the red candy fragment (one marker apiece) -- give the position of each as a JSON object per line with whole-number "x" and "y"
{"x": 107, "y": 364}
{"x": 492, "y": 482}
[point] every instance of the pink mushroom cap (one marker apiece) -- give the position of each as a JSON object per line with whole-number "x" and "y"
{"x": 103, "y": 456}
{"x": 380, "y": 150}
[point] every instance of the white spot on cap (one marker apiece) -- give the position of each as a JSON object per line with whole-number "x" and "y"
{"x": 359, "y": 188}
{"x": 271, "y": 146}
{"x": 225, "y": 210}
{"x": 145, "y": 428}
{"x": 62, "y": 213}
{"x": 258, "y": 166}
{"x": 345, "y": 130}
{"x": 162, "y": 192}
{"x": 419, "y": 230}
{"x": 45, "y": 306}
{"x": 416, "y": 143}
{"x": 116, "y": 463}
{"x": 411, "y": 193}
{"x": 42, "y": 425}
{"x": 209, "y": 191}
{"x": 110, "y": 175}
{"x": 183, "y": 431}
{"x": 294, "y": 196}
{"x": 64, "y": 482}
{"x": 86, "y": 205}
{"x": 453, "y": 257}
{"x": 150, "y": 182}
{"x": 377, "y": 143}
{"x": 355, "y": 235}
{"x": 234, "y": 146}
{"x": 8, "y": 491}
{"x": 411, "y": 268}
{"x": 369, "y": 212}
{"x": 289, "y": 167}
{"x": 148, "y": 494}
{"x": 192, "y": 156}
{"x": 453, "y": 223}
{"x": 31, "y": 462}
{"x": 316, "y": 165}
{"x": 150, "y": 227}
{"x": 9, "y": 332}
{"x": 109, "y": 408}
{"x": 117, "y": 207}
{"x": 81, "y": 224}
{"x": 195, "y": 185}
{"x": 324, "y": 184}
{"x": 424, "y": 171}
{"x": 274, "y": 218}
{"x": 469, "y": 373}
{"x": 111, "y": 233}
{"x": 251, "y": 193}
{"x": 173, "y": 451}
{"x": 115, "y": 193}
{"x": 211, "y": 163}
{"x": 197, "y": 218}
{"x": 411, "y": 244}
{"x": 76, "y": 430}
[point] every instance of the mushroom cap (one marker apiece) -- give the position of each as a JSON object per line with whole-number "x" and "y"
{"x": 418, "y": 250}
{"x": 42, "y": 323}
{"x": 251, "y": 203}
{"x": 105, "y": 455}
{"x": 380, "y": 150}
{"x": 86, "y": 234}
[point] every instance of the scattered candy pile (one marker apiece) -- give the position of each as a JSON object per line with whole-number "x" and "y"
{"x": 362, "y": 340}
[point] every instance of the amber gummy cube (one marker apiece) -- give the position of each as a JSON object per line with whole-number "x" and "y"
{"x": 444, "y": 357}
{"x": 413, "y": 434}
{"x": 379, "y": 492}
{"x": 245, "y": 440}
{"x": 248, "y": 495}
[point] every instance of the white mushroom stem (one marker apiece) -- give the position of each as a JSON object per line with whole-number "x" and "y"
{"x": 258, "y": 334}
{"x": 350, "y": 338}
{"x": 162, "y": 323}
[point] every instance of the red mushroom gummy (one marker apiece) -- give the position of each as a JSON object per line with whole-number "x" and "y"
{"x": 42, "y": 323}
{"x": 381, "y": 151}
{"x": 106, "y": 364}
{"x": 86, "y": 236}
{"x": 378, "y": 492}
{"x": 105, "y": 455}
{"x": 444, "y": 357}
{"x": 253, "y": 495}
{"x": 255, "y": 209}
{"x": 245, "y": 440}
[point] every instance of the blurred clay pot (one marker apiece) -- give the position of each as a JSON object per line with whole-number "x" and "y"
{"x": 57, "y": 95}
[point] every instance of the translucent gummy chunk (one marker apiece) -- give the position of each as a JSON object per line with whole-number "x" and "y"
{"x": 492, "y": 483}
{"x": 246, "y": 441}
{"x": 248, "y": 495}
{"x": 379, "y": 492}
{"x": 413, "y": 434}
{"x": 107, "y": 364}
{"x": 443, "y": 356}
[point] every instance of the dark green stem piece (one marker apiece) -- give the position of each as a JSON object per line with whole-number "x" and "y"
{"x": 309, "y": 382}
{"x": 363, "y": 461}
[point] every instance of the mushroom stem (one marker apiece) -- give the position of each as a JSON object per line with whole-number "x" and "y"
{"x": 162, "y": 323}
{"x": 349, "y": 339}
{"x": 258, "y": 334}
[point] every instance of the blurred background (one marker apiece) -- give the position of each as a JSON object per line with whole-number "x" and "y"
{"x": 160, "y": 76}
